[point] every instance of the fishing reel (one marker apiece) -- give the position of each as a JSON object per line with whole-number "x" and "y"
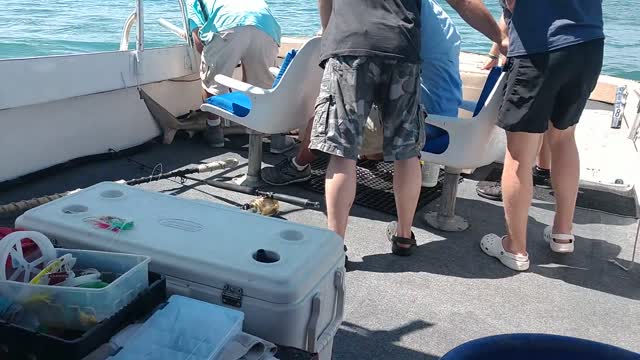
{"x": 263, "y": 205}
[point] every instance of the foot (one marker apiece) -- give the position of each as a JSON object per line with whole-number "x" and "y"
{"x": 281, "y": 144}
{"x": 560, "y": 243}
{"x": 400, "y": 246}
{"x": 285, "y": 173}
{"x": 541, "y": 177}
{"x": 214, "y": 136}
{"x": 491, "y": 190}
{"x": 492, "y": 245}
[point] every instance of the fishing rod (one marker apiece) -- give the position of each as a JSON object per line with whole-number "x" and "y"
{"x": 24, "y": 205}
{"x": 294, "y": 200}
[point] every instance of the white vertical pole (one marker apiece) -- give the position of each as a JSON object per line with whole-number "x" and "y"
{"x": 185, "y": 22}
{"x": 140, "y": 26}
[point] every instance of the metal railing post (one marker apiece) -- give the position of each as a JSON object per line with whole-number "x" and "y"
{"x": 140, "y": 26}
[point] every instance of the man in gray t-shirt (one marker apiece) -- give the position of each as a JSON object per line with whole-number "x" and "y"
{"x": 371, "y": 56}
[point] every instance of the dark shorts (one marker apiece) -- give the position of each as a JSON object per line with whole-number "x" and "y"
{"x": 552, "y": 86}
{"x": 350, "y": 87}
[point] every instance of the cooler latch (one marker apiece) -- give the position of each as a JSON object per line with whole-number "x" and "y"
{"x": 232, "y": 295}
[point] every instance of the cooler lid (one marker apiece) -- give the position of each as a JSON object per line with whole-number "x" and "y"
{"x": 270, "y": 259}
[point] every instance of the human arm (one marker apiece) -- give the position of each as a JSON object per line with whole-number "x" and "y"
{"x": 196, "y": 22}
{"x": 325, "y": 7}
{"x": 495, "y": 58}
{"x": 195, "y": 34}
{"x": 476, "y": 14}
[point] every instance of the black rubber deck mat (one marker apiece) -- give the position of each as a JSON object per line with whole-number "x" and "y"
{"x": 374, "y": 189}
{"x": 591, "y": 199}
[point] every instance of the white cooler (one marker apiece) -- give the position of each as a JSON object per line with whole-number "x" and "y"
{"x": 287, "y": 278}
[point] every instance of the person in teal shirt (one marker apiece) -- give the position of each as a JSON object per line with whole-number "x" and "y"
{"x": 222, "y": 15}
{"x": 229, "y": 32}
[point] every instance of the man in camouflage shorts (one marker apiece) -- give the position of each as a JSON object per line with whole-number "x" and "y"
{"x": 370, "y": 54}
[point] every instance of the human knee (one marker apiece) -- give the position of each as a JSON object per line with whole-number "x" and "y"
{"x": 560, "y": 138}
{"x": 521, "y": 155}
{"x": 341, "y": 165}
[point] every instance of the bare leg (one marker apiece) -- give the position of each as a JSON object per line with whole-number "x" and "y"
{"x": 407, "y": 181}
{"x": 517, "y": 188}
{"x": 305, "y": 156}
{"x": 213, "y": 135}
{"x": 544, "y": 156}
{"x": 214, "y": 120}
{"x": 340, "y": 190}
{"x": 565, "y": 177}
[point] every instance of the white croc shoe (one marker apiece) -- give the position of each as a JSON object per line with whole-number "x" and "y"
{"x": 563, "y": 248}
{"x": 492, "y": 245}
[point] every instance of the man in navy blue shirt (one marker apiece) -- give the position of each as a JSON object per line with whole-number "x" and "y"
{"x": 553, "y": 64}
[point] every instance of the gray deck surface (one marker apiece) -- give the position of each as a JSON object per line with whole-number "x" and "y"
{"x": 448, "y": 292}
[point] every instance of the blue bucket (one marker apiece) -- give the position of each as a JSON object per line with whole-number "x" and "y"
{"x": 537, "y": 347}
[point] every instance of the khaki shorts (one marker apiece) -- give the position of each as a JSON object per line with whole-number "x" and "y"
{"x": 247, "y": 45}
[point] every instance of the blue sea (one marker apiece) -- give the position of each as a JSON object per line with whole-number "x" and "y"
{"x": 54, "y": 27}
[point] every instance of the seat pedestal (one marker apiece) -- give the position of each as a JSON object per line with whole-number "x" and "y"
{"x": 252, "y": 178}
{"x": 445, "y": 218}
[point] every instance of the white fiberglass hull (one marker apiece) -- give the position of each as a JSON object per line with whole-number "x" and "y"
{"x": 59, "y": 108}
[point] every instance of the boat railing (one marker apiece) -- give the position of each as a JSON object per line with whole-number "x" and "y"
{"x": 126, "y": 30}
{"x": 139, "y": 27}
{"x": 174, "y": 29}
{"x": 137, "y": 18}
{"x": 185, "y": 23}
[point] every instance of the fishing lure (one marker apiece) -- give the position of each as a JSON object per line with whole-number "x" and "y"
{"x": 111, "y": 223}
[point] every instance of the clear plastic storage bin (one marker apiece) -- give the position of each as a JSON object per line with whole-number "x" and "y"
{"x": 75, "y": 308}
{"x": 183, "y": 329}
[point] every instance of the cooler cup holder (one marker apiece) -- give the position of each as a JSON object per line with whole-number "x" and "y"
{"x": 292, "y": 235}
{"x": 112, "y": 194}
{"x": 266, "y": 256}
{"x": 75, "y": 209}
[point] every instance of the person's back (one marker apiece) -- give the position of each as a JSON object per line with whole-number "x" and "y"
{"x": 537, "y": 26}
{"x": 373, "y": 28}
{"x": 224, "y": 15}
{"x": 440, "y": 52}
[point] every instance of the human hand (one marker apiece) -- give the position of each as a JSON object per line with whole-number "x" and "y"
{"x": 490, "y": 63}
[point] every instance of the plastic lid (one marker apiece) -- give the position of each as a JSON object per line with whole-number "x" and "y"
{"x": 184, "y": 329}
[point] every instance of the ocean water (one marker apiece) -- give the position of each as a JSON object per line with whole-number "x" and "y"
{"x": 55, "y": 27}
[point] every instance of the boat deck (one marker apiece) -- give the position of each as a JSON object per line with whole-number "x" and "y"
{"x": 448, "y": 292}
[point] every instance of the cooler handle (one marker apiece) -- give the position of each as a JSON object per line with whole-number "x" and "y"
{"x": 331, "y": 329}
